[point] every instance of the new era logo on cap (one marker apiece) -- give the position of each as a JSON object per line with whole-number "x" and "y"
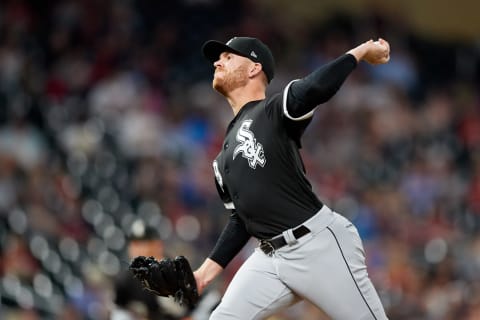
{"x": 251, "y": 48}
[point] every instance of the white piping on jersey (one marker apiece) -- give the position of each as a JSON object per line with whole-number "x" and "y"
{"x": 229, "y": 205}
{"x": 285, "y": 110}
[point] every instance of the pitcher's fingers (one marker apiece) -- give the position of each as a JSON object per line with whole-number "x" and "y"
{"x": 384, "y": 42}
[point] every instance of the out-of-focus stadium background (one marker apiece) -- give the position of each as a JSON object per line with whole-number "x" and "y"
{"x": 107, "y": 115}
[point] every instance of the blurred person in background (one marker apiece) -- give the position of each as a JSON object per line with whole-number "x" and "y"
{"x": 132, "y": 301}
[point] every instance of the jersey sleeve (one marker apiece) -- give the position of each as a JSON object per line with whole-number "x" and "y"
{"x": 300, "y": 97}
{"x": 232, "y": 239}
{"x": 294, "y": 107}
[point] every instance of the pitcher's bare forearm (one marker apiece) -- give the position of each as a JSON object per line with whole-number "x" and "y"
{"x": 207, "y": 272}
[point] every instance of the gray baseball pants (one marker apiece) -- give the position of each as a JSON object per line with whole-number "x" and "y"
{"x": 326, "y": 267}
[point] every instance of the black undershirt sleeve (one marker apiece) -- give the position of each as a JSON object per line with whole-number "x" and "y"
{"x": 233, "y": 238}
{"x": 319, "y": 86}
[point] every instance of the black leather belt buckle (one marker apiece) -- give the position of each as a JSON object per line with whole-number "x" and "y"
{"x": 266, "y": 247}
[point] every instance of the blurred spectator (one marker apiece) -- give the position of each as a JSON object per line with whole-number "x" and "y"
{"x": 132, "y": 301}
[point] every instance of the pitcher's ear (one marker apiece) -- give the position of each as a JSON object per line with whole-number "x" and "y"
{"x": 255, "y": 69}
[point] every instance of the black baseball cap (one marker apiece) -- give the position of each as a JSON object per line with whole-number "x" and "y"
{"x": 142, "y": 231}
{"x": 251, "y": 48}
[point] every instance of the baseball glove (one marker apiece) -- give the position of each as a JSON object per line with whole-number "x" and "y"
{"x": 167, "y": 277}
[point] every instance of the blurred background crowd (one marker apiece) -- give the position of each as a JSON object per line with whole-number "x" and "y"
{"x": 107, "y": 116}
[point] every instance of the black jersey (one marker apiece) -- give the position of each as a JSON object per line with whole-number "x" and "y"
{"x": 259, "y": 173}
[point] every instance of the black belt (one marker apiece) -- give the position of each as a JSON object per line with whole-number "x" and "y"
{"x": 269, "y": 246}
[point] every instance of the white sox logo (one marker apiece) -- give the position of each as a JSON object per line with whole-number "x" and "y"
{"x": 249, "y": 147}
